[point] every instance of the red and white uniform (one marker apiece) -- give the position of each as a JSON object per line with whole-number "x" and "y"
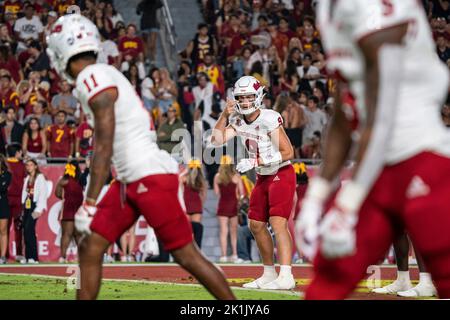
{"x": 412, "y": 189}
{"x": 256, "y": 137}
{"x": 147, "y": 177}
{"x": 136, "y": 154}
{"x": 274, "y": 190}
{"x": 424, "y": 85}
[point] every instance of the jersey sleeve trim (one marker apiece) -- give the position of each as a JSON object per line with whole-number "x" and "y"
{"x": 360, "y": 37}
{"x": 101, "y": 91}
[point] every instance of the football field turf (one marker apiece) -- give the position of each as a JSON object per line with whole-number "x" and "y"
{"x": 168, "y": 281}
{"x": 27, "y": 287}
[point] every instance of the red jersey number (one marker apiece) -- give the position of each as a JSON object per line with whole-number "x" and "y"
{"x": 91, "y": 84}
{"x": 252, "y": 148}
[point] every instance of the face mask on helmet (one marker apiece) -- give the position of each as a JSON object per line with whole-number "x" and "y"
{"x": 248, "y": 94}
{"x": 246, "y": 104}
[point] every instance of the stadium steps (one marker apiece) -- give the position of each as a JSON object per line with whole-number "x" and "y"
{"x": 128, "y": 11}
{"x": 186, "y": 16}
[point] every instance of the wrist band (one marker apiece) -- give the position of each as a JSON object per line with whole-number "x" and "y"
{"x": 318, "y": 188}
{"x": 91, "y": 200}
{"x": 350, "y": 197}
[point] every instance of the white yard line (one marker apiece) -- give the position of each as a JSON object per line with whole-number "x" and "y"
{"x": 156, "y": 265}
{"x": 287, "y": 292}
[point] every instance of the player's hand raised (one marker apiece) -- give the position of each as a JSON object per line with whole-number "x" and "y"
{"x": 229, "y": 107}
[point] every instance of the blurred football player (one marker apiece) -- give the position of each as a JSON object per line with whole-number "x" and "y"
{"x": 377, "y": 51}
{"x": 270, "y": 152}
{"x": 147, "y": 177}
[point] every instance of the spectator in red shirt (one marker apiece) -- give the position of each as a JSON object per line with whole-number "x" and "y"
{"x": 17, "y": 169}
{"x": 9, "y": 62}
{"x": 29, "y": 92}
{"x": 279, "y": 40}
{"x": 131, "y": 47}
{"x": 238, "y": 42}
{"x": 307, "y": 33}
{"x": 13, "y": 7}
{"x": 8, "y": 96}
{"x": 84, "y": 139}
{"x": 10, "y": 20}
{"x": 60, "y": 138}
{"x": 229, "y": 30}
{"x": 284, "y": 28}
{"x": 34, "y": 141}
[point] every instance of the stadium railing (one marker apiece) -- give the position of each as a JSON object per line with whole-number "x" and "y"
{"x": 168, "y": 38}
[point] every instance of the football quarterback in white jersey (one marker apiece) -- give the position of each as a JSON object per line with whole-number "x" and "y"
{"x": 382, "y": 53}
{"x": 270, "y": 152}
{"x": 147, "y": 177}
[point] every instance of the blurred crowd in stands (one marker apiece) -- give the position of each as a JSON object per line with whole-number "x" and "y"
{"x": 275, "y": 41}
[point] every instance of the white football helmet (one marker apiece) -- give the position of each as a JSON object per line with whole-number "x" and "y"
{"x": 71, "y": 35}
{"x": 248, "y": 85}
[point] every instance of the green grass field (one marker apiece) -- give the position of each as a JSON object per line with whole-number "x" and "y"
{"x": 18, "y": 287}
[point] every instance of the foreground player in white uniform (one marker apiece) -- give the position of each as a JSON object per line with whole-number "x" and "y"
{"x": 147, "y": 179}
{"x": 272, "y": 198}
{"x": 383, "y": 54}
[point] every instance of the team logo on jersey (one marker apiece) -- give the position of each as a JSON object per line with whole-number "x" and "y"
{"x": 238, "y": 122}
{"x": 141, "y": 189}
{"x": 417, "y": 188}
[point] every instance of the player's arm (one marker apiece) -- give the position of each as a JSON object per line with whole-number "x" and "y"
{"x": 102, "y": 106}
{"x": 383, "y": 53}
{"x": 282, "y": 144}
{"x": 223, "y": 132}
{"x": 338, "y": 140}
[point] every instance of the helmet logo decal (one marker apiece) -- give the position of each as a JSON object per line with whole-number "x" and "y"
{"x": 256, "y": 85}
{"x": 57, "y": 29}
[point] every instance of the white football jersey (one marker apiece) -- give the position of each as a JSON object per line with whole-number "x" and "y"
{"x": 256, "y": 137}
{"x": 424, "y": 83}
{"x": 136, "y": 154}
